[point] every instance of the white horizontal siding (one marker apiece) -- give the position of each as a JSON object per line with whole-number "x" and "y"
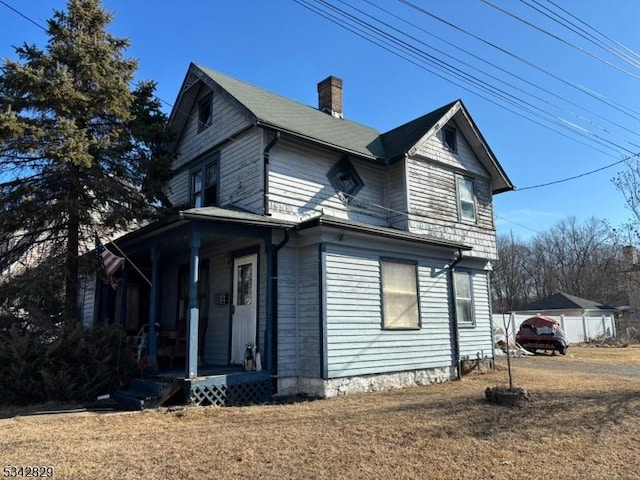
{"x": 299, "y": 187}
{"x": 241, "y": 172}
{"x": 356, "y": 342}
{"x": 178, "y": 192}
{"x": 463, "y": 159}
{"x": 396, "y": 192}
{"x": 227, "y": 120}
{"x": 87, "y": 299}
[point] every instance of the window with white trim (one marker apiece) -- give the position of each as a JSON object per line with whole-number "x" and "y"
{"x": 466, "y": 199}
{"x": 399, "y": 295}
{"x": 204, "y": 182}
{"x": 464, "y": 298}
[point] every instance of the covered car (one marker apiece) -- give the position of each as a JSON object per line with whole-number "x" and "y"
{"x": 542, "y": 333}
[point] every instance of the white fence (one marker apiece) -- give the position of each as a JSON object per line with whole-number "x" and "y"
{"x": 578, "y": 329}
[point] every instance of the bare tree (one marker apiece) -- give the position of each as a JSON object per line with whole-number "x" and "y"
{"x": 578, "y": 258}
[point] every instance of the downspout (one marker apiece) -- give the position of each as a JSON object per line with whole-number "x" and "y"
{"x": 274, "y": 309}
{"x": 265, "y": 173}
{"x": 456, "y": 336}
{"x": 491, "y": 326}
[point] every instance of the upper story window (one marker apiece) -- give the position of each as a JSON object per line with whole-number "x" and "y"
{"x": 205, "y": 112}
{"x": 464, "y": 298}
{"x": 449, "y": 137}
{"x": 466, "y": 200}
{"x": 204, "y": 182}
{"x": 345, "y": 179}
{"x": 399, "y": 295}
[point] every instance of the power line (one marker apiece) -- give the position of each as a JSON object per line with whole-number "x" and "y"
{"x": 559, "y": 19}
{"x": 601, "y": 98}
{"x": 591, "y": 172}
{"x": 417, "y": 52}
{"x": 560, "y": 39}
{"x": 499, "y": 93}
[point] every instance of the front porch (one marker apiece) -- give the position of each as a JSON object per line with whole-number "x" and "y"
{"x": 209, "y": 287}
{"x": 220, "y": 386}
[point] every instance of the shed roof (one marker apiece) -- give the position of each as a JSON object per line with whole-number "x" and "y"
{"x": 564, "y": 301}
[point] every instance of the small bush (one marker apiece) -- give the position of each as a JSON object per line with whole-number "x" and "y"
{"x": 61, "y": 362}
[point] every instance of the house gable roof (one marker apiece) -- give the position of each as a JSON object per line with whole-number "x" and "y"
{"x": 273, "y": 111}
{"x": 564, "y": 301}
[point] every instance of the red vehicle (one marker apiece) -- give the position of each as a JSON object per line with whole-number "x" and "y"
{"x": 542, "y": 333}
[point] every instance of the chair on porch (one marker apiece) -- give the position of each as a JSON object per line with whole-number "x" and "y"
{"x": 173, "y": 343}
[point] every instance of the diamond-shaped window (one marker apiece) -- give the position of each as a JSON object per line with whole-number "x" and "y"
{"x": 345, "y": 179}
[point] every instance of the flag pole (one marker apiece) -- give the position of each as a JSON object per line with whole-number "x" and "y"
{"x": 131, "y": 262}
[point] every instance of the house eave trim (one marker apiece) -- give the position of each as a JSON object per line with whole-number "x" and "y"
{"x": 380, "y": 232}
{"x": 331, "y": 146}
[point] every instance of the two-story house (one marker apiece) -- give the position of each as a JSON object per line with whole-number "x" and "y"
{"x": 352, "y": 259}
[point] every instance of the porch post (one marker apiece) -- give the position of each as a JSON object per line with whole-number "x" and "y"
{"x": 153, "y": 302}
{"x": 123, "y": 295}
{"x": 269, "y": 337}
{"x": 194, "y": 313}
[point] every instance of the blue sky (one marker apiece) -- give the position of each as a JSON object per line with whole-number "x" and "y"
{"x": 284, "y": 47}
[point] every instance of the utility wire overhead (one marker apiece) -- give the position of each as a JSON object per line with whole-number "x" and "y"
{"x": 398, "y": 45}
{"x": 591, "y": 93}
{"x": 561, "y": 20}
{"x": 560, "y": 39}
{"x": 409, "y": 52}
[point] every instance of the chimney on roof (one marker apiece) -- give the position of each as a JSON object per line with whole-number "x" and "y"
{"x": 330, "y": 96}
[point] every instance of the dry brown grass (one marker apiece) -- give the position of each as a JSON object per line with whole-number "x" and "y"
{"x": 578, "y": 425}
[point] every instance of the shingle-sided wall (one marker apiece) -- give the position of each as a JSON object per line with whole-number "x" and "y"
{"x": 433, "y": 207}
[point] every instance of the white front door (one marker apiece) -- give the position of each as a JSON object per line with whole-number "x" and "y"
{"x": 244, "y": 305}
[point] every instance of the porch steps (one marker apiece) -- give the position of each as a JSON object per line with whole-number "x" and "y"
{"x": 146, "y": 393}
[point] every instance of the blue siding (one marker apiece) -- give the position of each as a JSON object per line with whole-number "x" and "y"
{"x": 356, "y": 343}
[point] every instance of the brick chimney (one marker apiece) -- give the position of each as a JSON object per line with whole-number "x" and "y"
{"x": 330, "y": 96}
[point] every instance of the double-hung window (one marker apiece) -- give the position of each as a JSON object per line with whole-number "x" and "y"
{"x": 204, "y": 182}
{"x": 466, "y": 200}
{"x": 464, "y": 298}
{"x": 399, "y": 295}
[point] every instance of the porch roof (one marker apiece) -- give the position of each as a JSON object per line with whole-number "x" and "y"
{"x": 343, "y": 224}
{"x": 226, "y": 215}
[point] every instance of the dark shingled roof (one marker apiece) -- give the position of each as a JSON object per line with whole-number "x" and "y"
{"x": 282, "y": 113}
{"x": 274, "y": 111}
{"x": 563, "y": 301}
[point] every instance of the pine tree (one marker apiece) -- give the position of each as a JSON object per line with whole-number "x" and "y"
{"x": 79, "y": 146}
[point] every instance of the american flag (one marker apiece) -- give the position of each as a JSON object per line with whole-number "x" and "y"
{"x": 108, "y": 261}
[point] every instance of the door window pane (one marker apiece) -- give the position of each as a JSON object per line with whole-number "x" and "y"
{"x": 244, "y": 287}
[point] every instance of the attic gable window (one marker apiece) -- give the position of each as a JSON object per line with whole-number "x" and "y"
{"x": 466, "y": 200}
{"x": 449, "y": 137}
{"x": 205, "y": 112}
{"x": 345, "y": 179}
